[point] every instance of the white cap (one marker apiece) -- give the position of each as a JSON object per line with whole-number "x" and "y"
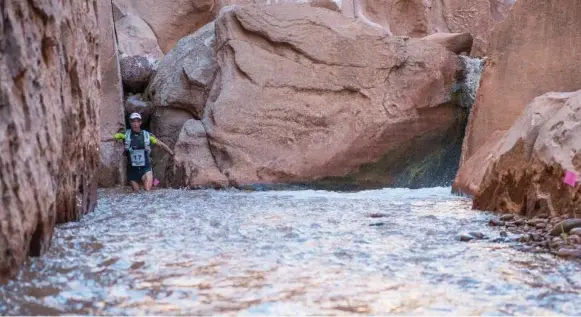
{"x": 135, "y": 115}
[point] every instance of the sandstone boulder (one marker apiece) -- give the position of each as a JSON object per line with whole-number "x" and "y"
{"x": 136, "y": 71}
{"x": 112, "y": 169}
{"x": 292, "y": 104}
{"x": 135, "y": 37}
{"x": 526, "y": 168}
{"x": 530, "y": 54}
{"x": 166, "y": 124}
{"x": 184, "y": 77}
{"x": 195, "y": 166}
{"x": 170, "y": 20}
{"x": 49, "y": 98}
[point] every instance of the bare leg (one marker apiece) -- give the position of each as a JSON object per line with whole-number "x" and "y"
{"x": 147, "y": 180}
{"x": 135, "y": 186}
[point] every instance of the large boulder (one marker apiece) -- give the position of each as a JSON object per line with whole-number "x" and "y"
{"x": 526, "y": 169}
{"x": 170, "y": 20}
{"x": 135, "y": 37}
{"x": 530, "y": 54}
{"x": 49, "y": 136}
{"x": 135, "y": 103}
{"x": 291, "y": 103}
{"x": 111, "y": 170}
{"x": 195, "y": 165}
{"x": 184, "y": 77}
{"x": 136, "y": 71}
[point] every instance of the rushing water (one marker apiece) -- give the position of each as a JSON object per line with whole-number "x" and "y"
{"x": 391, "y": 251}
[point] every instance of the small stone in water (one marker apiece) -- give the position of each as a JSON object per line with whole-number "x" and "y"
{"x": 495, "y": 223}
{"x": 574, "y": 239}
{"x": 477, "y": 235}
{"x": 541, "y": 225}
{"x": 378, "y": 215}
{"x": 507, "y": 217}
{"x": 519, "y": 222}
{"x": 569, "y": 252}
{"x": 524, "y": 238}
{"x": 503, "y": 234}
{"x": 464, "y": 237}
{"x": 575, "y": 231}
{"x": 377, "y": 224}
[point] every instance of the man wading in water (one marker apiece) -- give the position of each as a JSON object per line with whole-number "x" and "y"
{"x": 137, "y": 147}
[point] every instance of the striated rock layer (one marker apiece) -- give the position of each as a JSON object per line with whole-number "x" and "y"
{"x": 111, "y": 169}
{"x": 290, "y": 103}
{"x": 531, "y": 53}
{"x": 526, "y": 168}
{"x": 49, "y": 150}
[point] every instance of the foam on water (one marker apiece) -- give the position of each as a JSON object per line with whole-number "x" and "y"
{"x": 287, "y": 252}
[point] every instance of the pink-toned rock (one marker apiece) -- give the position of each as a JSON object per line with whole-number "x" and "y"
{"x": 530, "y": 54}
{"x": 291, "y": 104}
{"x": 135, "y": 37}
{"x": 170, "y": 20}
{"x": 166, "y": 124}
{"x": 111, "y": 116}
{"x": 194, "y": 163}
{"x": 184, "y": 77}
{"x": 49, "y": 98}
{"x": 455, "y": 42}
{"x": 525, "y": 173}
{"x": 418, "y": 18}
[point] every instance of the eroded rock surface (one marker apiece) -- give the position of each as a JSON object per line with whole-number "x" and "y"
{"x": 526, "y": 169}
{"x": 530, "y": 55}
{"x": 291, "y": 104}
{"x": 49, "y": 98}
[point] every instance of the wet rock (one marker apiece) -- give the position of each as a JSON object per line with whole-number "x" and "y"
{"x": 535, "y": 221}
{"x": 525, "y": 238}
{"x": 377, "y": 224}
{"x": 507, "y": 217}
{"x": 575, "y": 231}
{"x": 503, "y": 234}
{"x": 574, "y": 239}
{"x": 537, "y": 237}
{"x": 541, "y": 225}
{"x": 454, "y": 42}
{"x": 520, "y": 222}
{"x": 464, "y": 237}
{"x": 136, "y": 72}
{"x": 378, "y": 215}
{"x": 569, "y": 252}
{"x": 496, "y": 223}
{"x": 565, "y": 226}
{"x": 477, "y": 235}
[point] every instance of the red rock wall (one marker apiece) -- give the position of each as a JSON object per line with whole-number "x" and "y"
{"x": 49, "y": 148}
{"x": 534, "y": 51}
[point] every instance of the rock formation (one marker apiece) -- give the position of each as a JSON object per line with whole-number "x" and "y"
{"x": 111, "y": 170}
{"x": 526, "y": 168}
{"x": 135, "y": 37}
{"x": 525, "y": 61}
{"x": 170, "y": 20}
{"x": 291, "y": 104}
{"x": 136, "y": 71}
{"x": 49, "y": 136}
{"x": 418, "y": 18}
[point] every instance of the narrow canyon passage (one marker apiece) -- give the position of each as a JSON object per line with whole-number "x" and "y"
{"x": 389, "y": 251}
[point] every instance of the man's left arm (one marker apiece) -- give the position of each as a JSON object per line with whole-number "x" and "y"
{"x": 164, "y": 146}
